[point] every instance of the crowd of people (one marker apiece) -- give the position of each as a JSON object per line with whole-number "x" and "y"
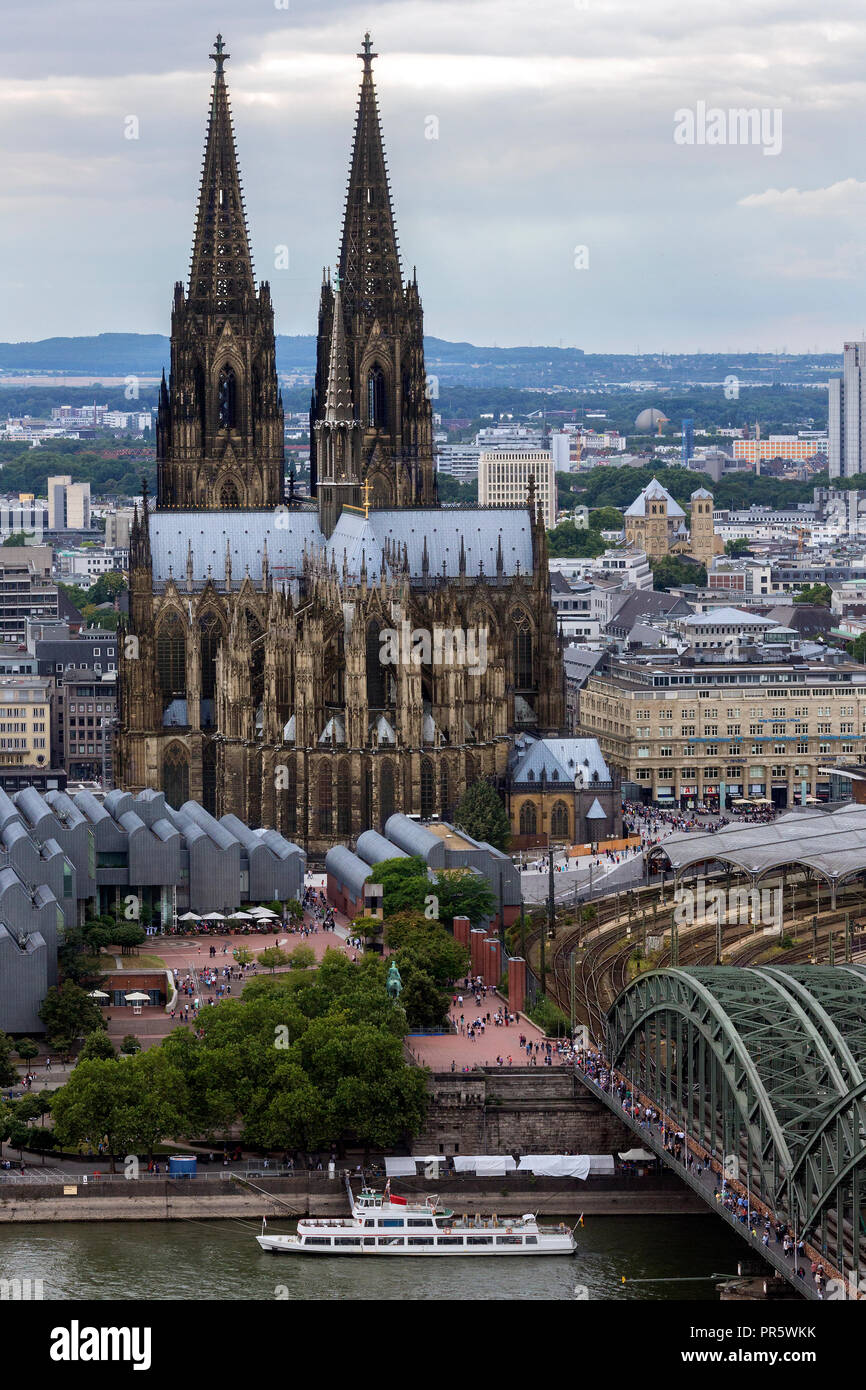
{"x": 595, "y": 1065}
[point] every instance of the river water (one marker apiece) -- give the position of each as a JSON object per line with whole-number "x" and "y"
{"x": 220, "y": 1260}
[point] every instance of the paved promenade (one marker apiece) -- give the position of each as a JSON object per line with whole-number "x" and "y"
{"x": 438, "y": 1051}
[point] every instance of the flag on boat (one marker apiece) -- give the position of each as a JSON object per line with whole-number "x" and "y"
{"x": 398, "y": 1201}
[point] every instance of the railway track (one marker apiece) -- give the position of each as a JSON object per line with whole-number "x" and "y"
{"x": 602, "y": 969}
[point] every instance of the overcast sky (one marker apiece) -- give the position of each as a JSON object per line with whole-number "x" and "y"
{"x": 556, "y": 131}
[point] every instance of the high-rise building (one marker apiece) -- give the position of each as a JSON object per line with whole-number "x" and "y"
{"x": 688, "y": 445}
{"x": 847, "y": 428}
{"x": 504, "y": 477}
{"x": 68, "y": 504}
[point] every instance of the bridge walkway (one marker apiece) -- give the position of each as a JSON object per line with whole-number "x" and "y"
{"x": 712, "y": 1180}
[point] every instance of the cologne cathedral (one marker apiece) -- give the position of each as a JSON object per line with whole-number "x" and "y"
{"x": 274, "y": 666}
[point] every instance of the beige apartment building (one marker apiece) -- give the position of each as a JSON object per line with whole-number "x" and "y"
{"x": 504, "y": 474}
{"x": 68, "y": 504}
{"x": 25, "y": 722}
{"x": 715, "y": 731}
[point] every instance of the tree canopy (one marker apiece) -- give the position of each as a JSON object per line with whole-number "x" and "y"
{"x": 404, "y": 883}
{"x": 672, "y": 571}
{"x": 482, "y": 814}
{"x": 303, "y": 1060}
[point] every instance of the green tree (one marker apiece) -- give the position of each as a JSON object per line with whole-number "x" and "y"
{"x": 20, "y": 537}
{"x": 461, "y": 893}
{"x": 566, "y": 540}
{"x": 41, "y": 1140}
{"x": 820, "y": 594}
{"x": 482, "y": 814}
{"x": 68, "y": 1014}
{"x": 129, "y": 937}
{"x": 294, "y": 910}
{"x": 98, "y": 1103}
{"x": 27, "y": 1049}
{"x": 132, "y": 1103}
{"x": 404, "y": 883}
{"x": 672, "y": 571}
{"x": 737, "y": 548}
{"x": 107, "y": 587}
{"x": 425, "y": 1003}
{"x": 547, "y": 1016}
{"x": 857, "y": 648}
{"x": 368, "y": 928}
{"x": 434, "y": 950}
{"x": 606, "y": 519}
{"x": 97, "y": 1045}
{"x": 302, "y": 958}
{"x": 130, "y": 1045}
{"x": 305, "y": 1059}
{"x": 272, "y": 957}
{"x": 8, "y": 1074}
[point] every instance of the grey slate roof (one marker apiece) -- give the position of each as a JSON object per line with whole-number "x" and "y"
{"x": 654, "y": 490}
{"x": 646, "y": 603}
{"x": 561, "y": 759}
{"x": 287, "y": 532}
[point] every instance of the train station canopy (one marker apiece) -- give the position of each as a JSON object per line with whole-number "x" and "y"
{"x": 830, "y": 843}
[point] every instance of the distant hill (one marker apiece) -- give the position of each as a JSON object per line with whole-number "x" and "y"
{"x": 119, "y": 354}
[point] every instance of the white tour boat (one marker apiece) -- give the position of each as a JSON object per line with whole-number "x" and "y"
{"x": 382, "y": 1225}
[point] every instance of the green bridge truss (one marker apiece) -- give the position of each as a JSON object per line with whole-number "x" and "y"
{"x": 766, "y": 1067}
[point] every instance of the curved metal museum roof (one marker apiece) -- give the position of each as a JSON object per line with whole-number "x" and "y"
{"x": 832, "y": 843}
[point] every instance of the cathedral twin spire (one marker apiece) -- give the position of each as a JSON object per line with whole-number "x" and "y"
{"x": 221, "y": 271}
{"x": 220, "y": 421}
{"x": 370, "y": 274}
{"x": 220, "y": 417}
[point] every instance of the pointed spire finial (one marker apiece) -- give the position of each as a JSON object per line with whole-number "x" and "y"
{"x": 221, "y": 274}
{"x": 370, "y": 274}
{"x": 218, "y": 56}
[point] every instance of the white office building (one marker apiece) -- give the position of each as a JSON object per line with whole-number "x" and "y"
{"x": 504, "y": 474}
{"x": 458, "y": 461}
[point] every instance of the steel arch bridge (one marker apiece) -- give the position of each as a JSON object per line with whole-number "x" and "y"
{"x": 765, "y": 1068}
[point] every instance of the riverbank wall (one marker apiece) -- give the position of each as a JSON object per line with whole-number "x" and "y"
{"x": 315, "y": 1194}
{"x": 505, "y": 1110}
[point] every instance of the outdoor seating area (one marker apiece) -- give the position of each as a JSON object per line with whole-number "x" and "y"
{"x": 240, "y": 923}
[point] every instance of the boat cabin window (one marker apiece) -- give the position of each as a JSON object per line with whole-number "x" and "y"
{"x": 318, "y": 1240}
{"x": 479, "y": 1240}
{"x": 347, "y": 1240}
{"x": 424, "y": 1221}
{"x": 508, "y": 1240}
{"x": 532, "y": 1240}
{"x": 393, "y": 1221}
{"x": 450, "y": 1240}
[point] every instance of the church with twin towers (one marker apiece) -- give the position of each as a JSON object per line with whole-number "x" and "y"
{"x": 314, "y": 664}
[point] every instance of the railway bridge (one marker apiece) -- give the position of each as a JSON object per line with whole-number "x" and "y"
{"x": 758, "y": 1075}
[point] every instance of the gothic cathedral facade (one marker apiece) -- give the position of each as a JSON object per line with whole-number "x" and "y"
{"x": 314, "y": 665}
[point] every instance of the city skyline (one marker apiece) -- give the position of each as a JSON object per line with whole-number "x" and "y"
{"x": 494, "y": 145}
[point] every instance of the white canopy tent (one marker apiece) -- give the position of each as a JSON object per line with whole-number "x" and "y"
{"x": 484, "y": 1165}
{"x": 568, "y": 1165}
{"x": 405, "y": 1167}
